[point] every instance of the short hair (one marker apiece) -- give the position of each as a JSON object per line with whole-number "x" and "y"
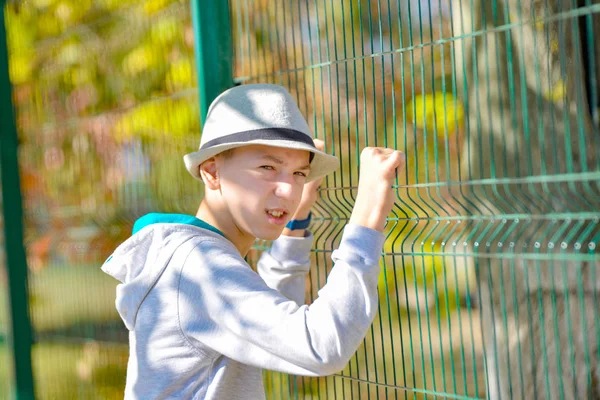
{"x": 227, "y": 153}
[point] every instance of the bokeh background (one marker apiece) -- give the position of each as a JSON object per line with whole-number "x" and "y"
{"x": 105, "y": 97}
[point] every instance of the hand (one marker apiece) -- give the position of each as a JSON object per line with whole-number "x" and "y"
{"x": 310, "y": 194}
{"x": 375, "y": 198}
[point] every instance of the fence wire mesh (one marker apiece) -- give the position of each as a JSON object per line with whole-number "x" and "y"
{"x": 491, "y": 279}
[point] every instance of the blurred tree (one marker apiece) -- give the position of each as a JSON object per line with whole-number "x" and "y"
{"x": 83, "y": 73}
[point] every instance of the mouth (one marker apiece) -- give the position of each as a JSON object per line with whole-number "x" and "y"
{"x": 277, "y": 216}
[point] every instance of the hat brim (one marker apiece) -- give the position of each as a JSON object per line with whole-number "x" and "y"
{"x": 321, "y": 165}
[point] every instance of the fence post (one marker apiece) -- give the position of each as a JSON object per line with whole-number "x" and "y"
{"x": 21, "y": 335}
{"x": 213, "y": 49}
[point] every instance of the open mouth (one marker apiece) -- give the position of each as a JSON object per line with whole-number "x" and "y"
{"x": 277, "y": 217}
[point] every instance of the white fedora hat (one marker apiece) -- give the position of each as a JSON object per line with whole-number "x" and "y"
{"x": 262, "y": 114}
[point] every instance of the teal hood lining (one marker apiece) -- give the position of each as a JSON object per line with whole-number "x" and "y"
{"x": 160, "y": 218}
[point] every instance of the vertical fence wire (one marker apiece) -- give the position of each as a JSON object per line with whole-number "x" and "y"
{"x": 472, "y": 296}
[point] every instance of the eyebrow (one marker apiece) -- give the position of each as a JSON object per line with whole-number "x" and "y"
{"x": 280, "y": 162}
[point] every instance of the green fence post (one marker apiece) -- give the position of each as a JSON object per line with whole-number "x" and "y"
{"x": 213, "y": 50}
{"x": 13, "y": 230}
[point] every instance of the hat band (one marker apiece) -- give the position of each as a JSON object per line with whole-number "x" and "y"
{"x": 261, "y": 134}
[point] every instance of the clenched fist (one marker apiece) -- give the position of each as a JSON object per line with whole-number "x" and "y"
{"x": 375, "y": 199}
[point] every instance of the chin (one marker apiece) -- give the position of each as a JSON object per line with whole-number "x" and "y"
{"x": 269, "y": 235}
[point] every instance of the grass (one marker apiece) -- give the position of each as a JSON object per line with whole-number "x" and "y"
{"x": 89, "y": 370}
{"x": 61, "y": 296}
{"x": 63, "y": 300}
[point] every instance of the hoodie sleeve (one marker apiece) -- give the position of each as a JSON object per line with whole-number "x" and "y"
{"x": 285, "y": 265}
{"x": 228, "y": 308}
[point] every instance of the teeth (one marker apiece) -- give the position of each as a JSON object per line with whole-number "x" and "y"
{"x": 276, "y": 214}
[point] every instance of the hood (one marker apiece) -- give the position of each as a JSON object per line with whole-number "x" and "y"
{"x": 139, "y": 262}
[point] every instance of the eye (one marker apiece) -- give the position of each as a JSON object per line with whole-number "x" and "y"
{"x": 302, "y": 174}
{"x": 267, "y": 167}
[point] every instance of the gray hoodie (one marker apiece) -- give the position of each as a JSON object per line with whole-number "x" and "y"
{"x": 202, "y": 324}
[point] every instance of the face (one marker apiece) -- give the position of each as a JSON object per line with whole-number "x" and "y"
{"x": 261, "y": 187}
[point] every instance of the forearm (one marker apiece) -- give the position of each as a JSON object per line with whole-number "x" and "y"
{"x": 285, "y": 265}
{"x": 368, "y": 213}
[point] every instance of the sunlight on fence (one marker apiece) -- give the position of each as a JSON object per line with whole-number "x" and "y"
{"x": 491, "y": 277}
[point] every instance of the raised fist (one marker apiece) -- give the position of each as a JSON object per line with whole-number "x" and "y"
{"x": 375, "y": 199}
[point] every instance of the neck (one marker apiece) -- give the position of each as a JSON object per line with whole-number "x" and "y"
{"x": 214, "y": 215}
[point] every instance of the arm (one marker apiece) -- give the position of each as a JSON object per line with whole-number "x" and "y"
{"x": 224, "y": 305}
{"x": 228, "y": 308}
{"x": 285, "y": 265}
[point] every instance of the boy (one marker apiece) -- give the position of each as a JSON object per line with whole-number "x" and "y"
{"x": 202, "y": 324}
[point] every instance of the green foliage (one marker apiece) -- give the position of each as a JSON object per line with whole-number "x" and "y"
{"x": 434, "y": 111}
{"x": 105, "y": 73}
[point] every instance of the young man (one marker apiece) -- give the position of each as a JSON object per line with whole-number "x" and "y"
{"x": 202, "y": 324}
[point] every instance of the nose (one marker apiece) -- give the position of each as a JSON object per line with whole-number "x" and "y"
{"x": 284, "y": 187}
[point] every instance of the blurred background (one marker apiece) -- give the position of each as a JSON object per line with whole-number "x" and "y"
{"x": 490, "y": 252}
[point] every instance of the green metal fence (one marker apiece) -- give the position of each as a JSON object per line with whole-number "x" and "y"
{"x": 491, "y": 279}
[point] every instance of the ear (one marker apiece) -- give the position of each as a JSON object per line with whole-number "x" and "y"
{"x": 210, "y": 174}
